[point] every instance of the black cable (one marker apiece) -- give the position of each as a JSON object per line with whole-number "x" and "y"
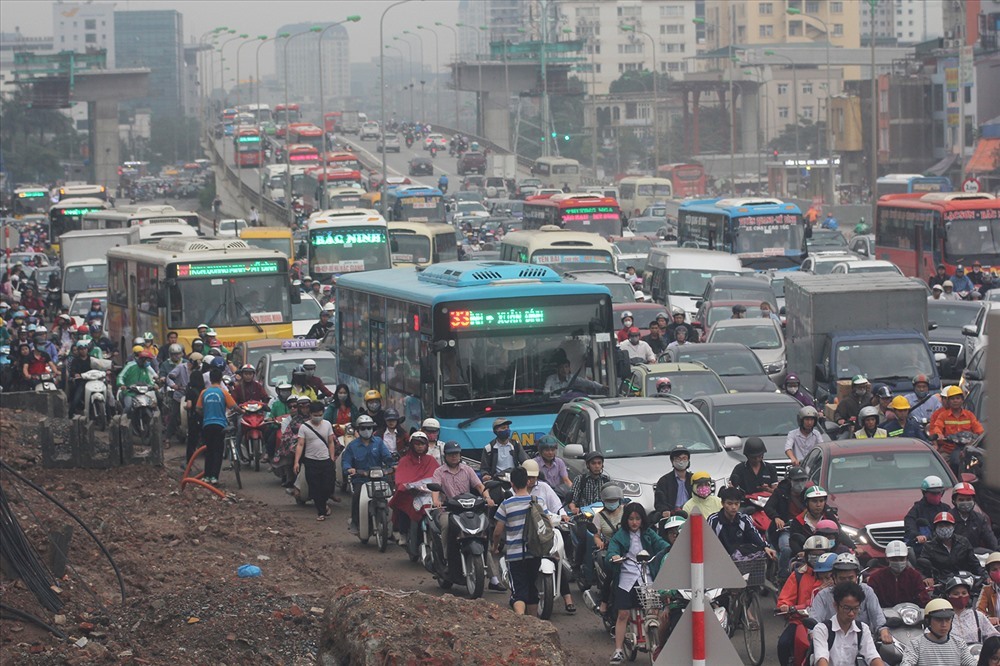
{"x": 16, "y": 614}
{"x": 24, "y": 559}
{"x": 118, "y": 573}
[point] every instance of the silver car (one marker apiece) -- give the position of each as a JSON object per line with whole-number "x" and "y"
{"x": 764, "y": 338}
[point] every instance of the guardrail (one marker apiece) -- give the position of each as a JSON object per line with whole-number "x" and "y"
{"x": 270, "y": 210}
{"x": 522, "y": 161}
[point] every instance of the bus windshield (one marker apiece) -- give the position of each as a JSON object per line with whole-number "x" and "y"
{"x": 344, "y": 200}
{"x": 769, "y": 239}
{"x": 348, "y": 249}
{"x": 574, "y": 260}
{"x": 968, "y": 239}
{"x": 654, "y": 190}
{"x": 420, "y": 208}
{"x": 221, "y": 302}
{"x": 279, "y": 244}
{"x": 691, "y": 282}
{"x": 411, "y": 248}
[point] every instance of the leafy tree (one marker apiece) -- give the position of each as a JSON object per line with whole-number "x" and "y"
{"x": 35, "y": 140}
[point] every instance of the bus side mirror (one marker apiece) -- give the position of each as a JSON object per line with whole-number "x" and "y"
{"x": 623, "y": 366}
{"x": 294, "y": 294}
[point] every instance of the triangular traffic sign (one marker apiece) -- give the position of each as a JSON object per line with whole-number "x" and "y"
{"x": 720, "y": 571}
{"x": 719, "y": 648}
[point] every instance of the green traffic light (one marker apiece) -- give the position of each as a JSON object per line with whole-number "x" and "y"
{"x": 566, "y": 137}
{"x": 553, "y": 135}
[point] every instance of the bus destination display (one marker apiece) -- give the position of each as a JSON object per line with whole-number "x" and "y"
{"x": 586, "y": 213}
{"x": 349, "y": 239}
{"x": 460, "y": 320}
{"x": 768, "y": 220}
{"x": 227, "y": 269}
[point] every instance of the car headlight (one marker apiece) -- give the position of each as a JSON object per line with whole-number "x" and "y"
{"x": 630, "y": 488}
{"x": 857, "y": 535}
{"x": 773, "y": 368}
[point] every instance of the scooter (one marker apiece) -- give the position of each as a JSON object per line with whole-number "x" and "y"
{"x": 96, "y": 396}
{"x": 374, "y": 505}
{"x": 905, "y": 622}
{"x": 143, "y": 408}
{"x": 253, "y": 420}
{"x": 45, "y": 383}
{"x": 467, "y": 542}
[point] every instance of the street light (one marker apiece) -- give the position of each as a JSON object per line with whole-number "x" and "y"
{"x": 795, "y": 113}
{"x": 423, "y": 119}
{"x": 247, "y": 40}
{"x": 288, "y": 164}
{"x": 354, "y": 18}
{"x": 205, "y": 82}
{"x": 656, "y": 122}
{"x": 409, "y": 60}
{"x": 455, "y": 35}
{"x": 222, "y": 80}
{"x": 381, "y": 87}
{"x": 829, "y": 96}
{"x": 479, "y": 66}
{"x": 397, "y": 107}
{"x": 437, "y": 72}
{"x": 263, "y": 40}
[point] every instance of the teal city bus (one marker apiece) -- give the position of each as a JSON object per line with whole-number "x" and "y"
{"x": 414, "y": 203}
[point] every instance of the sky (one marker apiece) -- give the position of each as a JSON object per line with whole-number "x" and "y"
{"x": 254, "y": 17}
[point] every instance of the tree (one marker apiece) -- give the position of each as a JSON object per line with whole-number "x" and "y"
{"x": 34, "y": 141}
{"x": 638, "y": 81}
{"x": 811, "y": 138}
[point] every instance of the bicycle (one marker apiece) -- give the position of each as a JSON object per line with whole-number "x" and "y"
{"x": 232, "y": 449}
{"x": 744, "y": 608}
{"x": 643, "y": 629}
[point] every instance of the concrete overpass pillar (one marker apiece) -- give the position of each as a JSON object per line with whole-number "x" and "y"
{"x": 496, "y": 118}
{"x": 104, "y": 143}
{"x": 750, "y": 114}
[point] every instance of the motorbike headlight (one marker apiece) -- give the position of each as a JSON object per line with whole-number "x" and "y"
{"x": 911, "y": 614}
{"x": 375, "y": 474}
{"x": 630, "y": 488}
{"x": 857, "y": 535}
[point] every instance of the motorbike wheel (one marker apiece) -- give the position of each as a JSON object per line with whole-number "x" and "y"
{"x": 546, "y": 591}
{"x": 255, "y": 455}
{"x": 413, "y": 541}
{"x": 382, "y": 530}
{"x": 475, "y": 579}
{"x": 753, "y": 629}
{"x": 100, "y": 415}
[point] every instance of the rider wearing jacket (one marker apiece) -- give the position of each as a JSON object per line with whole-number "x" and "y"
{"x": 248, "y": 388}
{"x": 804, "y": 524}
{"x": 923, "y": 511}
{"x": 868, "y": 422}
{"x": 947, "y": 553}
{"x": 850, "y": 406}
{"x": 969, "y": 523}
{"x": 793, "y": 387}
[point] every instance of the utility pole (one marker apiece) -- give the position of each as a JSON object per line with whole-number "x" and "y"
{"x": 546, "y": 145}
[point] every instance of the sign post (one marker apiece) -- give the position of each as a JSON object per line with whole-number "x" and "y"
{"x": 709, "y": 643}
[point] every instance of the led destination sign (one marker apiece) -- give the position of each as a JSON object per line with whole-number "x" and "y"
{"x": 459, "y": 320}
{"x": 349, "y": 239}
{"x": 227, "y": 269}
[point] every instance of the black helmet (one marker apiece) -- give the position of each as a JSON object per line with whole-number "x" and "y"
{"x": 678, "y": 450}
{"x": 391, "y": 415}
{"x": 731, "y": 493}
{"x": 593, "y": 455}
{"x": 796, "y": 473}
{"x": 739, "y": 307}
{"x": 754, "y": 446}
{"x": 451, "y": 446}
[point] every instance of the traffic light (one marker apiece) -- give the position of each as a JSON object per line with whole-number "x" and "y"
{"x": 775, "y": 153}
{"x": 553, "y": 135}
{"x": 566, "y": 137}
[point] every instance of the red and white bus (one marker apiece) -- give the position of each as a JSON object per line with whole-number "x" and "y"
{"x": 305, "y": 133}
{"x": 343, "y": 160}
{"x": 919, "y": 231}
{"x": 576, "y": 212}
{"x": 248, "y": 147}
{"x": 688, "y": 179}
{"x": 302, "y": 154}
{"x": 330, "y": 120}
{"x": 333, "y": 180}
{"x": 286, "y": 114}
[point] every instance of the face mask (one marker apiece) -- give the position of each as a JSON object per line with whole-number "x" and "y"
{"x": 959, "y": 603}
{"x": 681, "y": 465}
{"x": 933, "y": 500}
{"x": 316, "y": 420}
{"x": 611, "y": 506}
{"x": 897, "y": 567}
{"x": 859, "y": 392}
{"x": 502, "y": 434}
{"x": 374, "y": 405}
{"x": 798, "y": 486}
{"x": 944, "y": 532}
{"x": 964, "y": 507}
{"x": 995, "y": 575}
{"x": 791, "y": 390}
{"x": 342, "y": 397}
{"x": 365, "y": 432}
{"x": 920, "y": 394}
{"x": 703, "y": 491}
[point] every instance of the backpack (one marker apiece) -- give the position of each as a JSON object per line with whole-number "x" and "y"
{"x": 538, "y": 532}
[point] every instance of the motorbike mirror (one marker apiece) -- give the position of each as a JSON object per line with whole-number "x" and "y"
{"x": 435, "y": 487}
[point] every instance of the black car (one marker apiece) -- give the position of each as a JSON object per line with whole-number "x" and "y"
{"x": 421, "y": 166}
{"x": 947, "y": 337}
{"x": 736, "y": 364}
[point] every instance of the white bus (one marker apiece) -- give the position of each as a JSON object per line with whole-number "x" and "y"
{"x": 123, "y": 218}
{"x": 559, "y": 249}
{"x": 422, "y": 243}
{"x": 76, "y": 190}
{"x": 347, "y": 240}
{"x": 151, "y": 233}
{"x": 557, "y": 172}
{"x": 636, "y": 193}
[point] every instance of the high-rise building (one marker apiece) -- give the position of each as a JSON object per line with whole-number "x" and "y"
{"x": 905, "y": 21}
{"x": 471, "y": 40}
{"x": 154, "y": 39}
{"x": 84, "y": 26}
{"x": 774, "y": 22}
{"x": 303, "y": 73}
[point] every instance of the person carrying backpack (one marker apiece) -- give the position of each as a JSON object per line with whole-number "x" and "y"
{"x": 842, "y": 639}
{"x": 511, "y": 517}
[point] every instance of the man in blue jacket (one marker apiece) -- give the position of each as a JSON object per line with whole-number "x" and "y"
{"x": 364, "y": 453}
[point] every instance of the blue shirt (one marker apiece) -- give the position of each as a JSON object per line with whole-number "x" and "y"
{"x": 362, "y": 457}
{"x": 213, "y": 401}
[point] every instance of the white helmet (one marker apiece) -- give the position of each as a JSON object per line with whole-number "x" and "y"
{"x": 329, "y": 307}
{"x": 896, "y": 549}
{"x": 364, "y": 421}
{"x": 431, "y": 423}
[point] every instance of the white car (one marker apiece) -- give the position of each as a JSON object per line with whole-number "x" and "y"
{"x": 437, "y": 140}
{"x": 865, "y": 266}
{"x": 304, "y": 315}
{"x": 80, "y": 306}
{"x": 821, "y": 263}
{"x": 231, "y": 228}
{"x": 370, "y": 130}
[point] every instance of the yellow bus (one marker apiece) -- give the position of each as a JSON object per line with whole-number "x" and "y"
{"x": 422, "y": 243}
{"x": 559, "y": 249}
{"x": 270, "y": 238}
{"x": 242, "y": 292}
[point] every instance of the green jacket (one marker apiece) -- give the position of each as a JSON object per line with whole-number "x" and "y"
{"x": 132, "y": 374}
{"x": 652, "y": 543}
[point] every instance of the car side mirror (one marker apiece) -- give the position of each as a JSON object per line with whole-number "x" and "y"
{"x": 970, "y": 330}
{"x": 573, "y": 451}
{"x": 973, "y": 375}
{"x": 932, "y": 326}
{"x": 699, "y": 303}
{"x": 732, "y": 442}
{"x": 940, "y": 358}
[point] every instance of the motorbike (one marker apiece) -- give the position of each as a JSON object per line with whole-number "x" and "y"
{"x": 373, "y": 507}
{"x": 45, "y": 383}
{"x": 143, "y": 407}
{"x": 550, "y": 571}
{"x": 253, "y": 419}
{"x": 434, "y": 151}
{"x": 467, "y": 542}
{"x": 96, "y": 396}
{"x": 905, "y": 623}
{"x": 409, "y": 140}
{"x": 53, "y": 301}
{"x": 589, "y": 574}
{"x": 755, "y": 509}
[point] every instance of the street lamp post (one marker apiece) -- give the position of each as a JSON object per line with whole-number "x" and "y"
{"x": 479, "y": 66}
{"x": 656, "y": 122}
{"x": 222, "y": 81}
{"x": 759, "y": 79}
{"x": 455, "y": 35}
{"x": 437, "y": 73}
{"x": 381, "y": 87}
{"x": 322, "y": 100}
{"x": 263, "y": 40}
{"x": 396, "y": 105}
{"x": 409, "y": 60}
{"x": 829, "y": 96}
{"x": 423, "y": 119}
{"x": 206, "y": 81}
{"x": 288, "y": 164}
{"x": 239, "y": 93}
{"x": 795, "y": 114}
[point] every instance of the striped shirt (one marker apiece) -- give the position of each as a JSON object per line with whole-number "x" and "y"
{"x": 512, "y": 512}
{"x": 925, "y": 652}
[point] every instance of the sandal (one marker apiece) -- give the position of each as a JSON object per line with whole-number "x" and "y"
{"x": 321, "y": 518}
{"x": 571, "y": 608}
{"x": 329, "y": 512}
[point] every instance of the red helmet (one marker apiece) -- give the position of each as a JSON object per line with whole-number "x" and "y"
{"x": 964, "y": 489}
{"x": 145, "y": 353}
{"x": 82, "y": 328}
{"x": 633, "y": 330}
{"x": 944, "y": 517}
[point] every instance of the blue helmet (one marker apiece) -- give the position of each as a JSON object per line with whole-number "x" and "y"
{"x": 218, "y": 362}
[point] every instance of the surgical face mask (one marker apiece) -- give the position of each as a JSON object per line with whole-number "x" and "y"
{"x": 944, "y": 532}
{"x": 959, "y": 603}
{"x": 502, "y": 434}
{"x": 791, "y": 389}
{"x": 611, "y": 506}
{"x": 342, "y": 397}
{"x": 995, "y": 575}
{"x": 920, "y": 393}
{"x": 374, "y": 405}
{"x": 365, "y": 432}
{"x": 316, "y": 420}
{"x": 897, "y": 567}
{"x": 965, "y": 507}
{"x": 681, "y": 465}
{"x": 703, "y": 491}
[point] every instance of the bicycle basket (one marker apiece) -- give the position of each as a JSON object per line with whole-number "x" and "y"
{"x": 649, "y": 598}
{"x": 754, "y": 570}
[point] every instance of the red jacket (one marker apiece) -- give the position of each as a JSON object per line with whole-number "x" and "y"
{"x": 891, "y": 589}
{"x": 255, "y": 391}
{"x": 409, "y": 470}
{"x": 798, "y": 591}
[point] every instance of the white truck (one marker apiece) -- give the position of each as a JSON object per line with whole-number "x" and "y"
{"x": 350, "y": 122}
{"x": 82, "y": 257}
{"x": 501, "y": 166}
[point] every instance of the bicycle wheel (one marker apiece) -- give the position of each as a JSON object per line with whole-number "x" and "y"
{"x": 234, "y": 454}
{"x": 734, "y": 613}
{"x": 753, "y": 628}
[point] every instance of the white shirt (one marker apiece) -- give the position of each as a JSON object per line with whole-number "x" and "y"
{"x": 629, "y": 575}
{"x": 640, "y": 350}
{"x": 389, "y": 437}
{"x": 845, "y": 644}
{"x": 548, "y": 498}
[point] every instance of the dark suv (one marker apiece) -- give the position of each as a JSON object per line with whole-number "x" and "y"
{"x": 472, "y": 162}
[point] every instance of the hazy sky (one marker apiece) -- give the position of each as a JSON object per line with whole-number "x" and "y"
{"x": 254, "y": 17}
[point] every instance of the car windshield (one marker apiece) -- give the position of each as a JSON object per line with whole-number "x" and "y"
{"x": 634, "y": 245}
{"x": 307, "y": 309}
{"x": 640, "y": 435}
{"x": 885, "y": 470}
{"x": 826, "y": 240}
{"x": 621, "y": 292}
{"x": 648, "y": 225}
{"x": 281, "y": 369}
{"x": 466, "y": 207}
{"x": 728, "y": 363}
{"x": 717, "y": 314}
{"x": 760, "y": 420}
{"x": 687, "y": 385}
{"x": 691, "y": 282}
{"x": 85, "y": 278}
{"x": 81, "y": 306}
{"x": 763, "y": 336}
{"x": 756, "y": 294}
{"x": 946, "y": 315}
{"x": 883, "y": 359}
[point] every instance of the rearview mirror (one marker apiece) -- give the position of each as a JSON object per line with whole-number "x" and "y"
{"x": 970, "y": 330}
{"x": 295, "y": 295}
{"x": 573, "y": 451}
{"x": 435, "y": 487}
{"x": 731, "y": 442}
{"x": 940, "y": 358}
{"x": 932, "y": 326}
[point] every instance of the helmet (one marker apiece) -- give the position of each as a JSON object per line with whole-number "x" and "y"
{"x": 953, "y": 390}
{"x": 547, "y": 442}
{"x": 920, "y": 378}
{"x": 847, "y": 562}
{"x": 944, "y": 517}
{"x": 247, "y": 368}
{"x": 364, "y": 420}
{"x": 329, "y": 307}
{"x": 418, "y": 434}
{"x": 428, "y": 424}
{"x": 175, "y": 349}
{"x": 41, "y": 329}
{"x": 867, "y": 412}
{"x": 628, "y": 314}
{"x": 145, "y": 353}
{"x": 202, "y": 326}
{"x": 310, "y": 363}
{"x": 136, "y": 349}
{"x": 816, "y": 492}
{"x": 964, "y": 489}
{"x": 147, "y": 336}
{"x": 817, "y": 542}
{"x": 676, "y": 310}
{"x": 531, "y": 467}
{"x": 195, "y": 357}
{"x": 932, "y": 483}
{"x": 754, "y": 446}
{"x": 792, "y": 378}
{"x": 827, "y": 526}
{"x": 303, "y": 400}
{"x": 825, "y": 563}
{"x": 663, "y": 384}
{"x": 611, "y": 492}
{"x": 957, "y": 581}
{"x": 672, "y": 523}
{"x": 218, "y": 362}
{"x": 593, "y": 455}
{"x": 284, "y": 386}
{"x": 940, "y": 608}
{"x": 882, "y": 392}
{"x": 807, "y": 412}
{"x": 679, "y": 450}
{"x": 371, "y": 394}
{"x": 899, "y": 402}
{"x": 83, "y": 328}
{"x": 796, "y": 473}
{"x": 896, "y": 548}
{"x": 390, "y": 415}
{"x": 82, "y": 343}
{"x": 992, "y": 559}
{"x": 859, "y": 380}
{"x": 139, "y": 341}
{"x": 451, "y": 446}
{"x": 634, "y": 330}
{"x": 698, "y": 477}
